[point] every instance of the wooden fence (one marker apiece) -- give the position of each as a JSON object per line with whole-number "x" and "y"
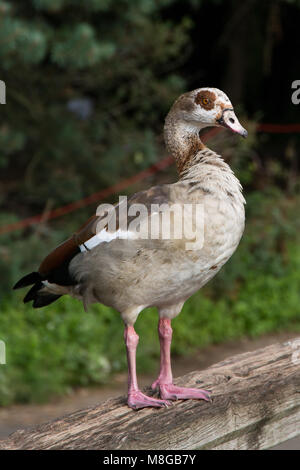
{"x": 256, "y": 405}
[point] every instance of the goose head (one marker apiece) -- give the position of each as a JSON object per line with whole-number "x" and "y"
{"x": 206, "y": 107}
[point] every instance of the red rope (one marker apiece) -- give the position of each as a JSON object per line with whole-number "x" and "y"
{"x": 278, "y": 128}
{"x": 123, "y": 184}
{"x": 98, "y": 196}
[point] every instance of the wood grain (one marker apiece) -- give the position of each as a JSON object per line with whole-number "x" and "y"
{"x": 256, "y": 405}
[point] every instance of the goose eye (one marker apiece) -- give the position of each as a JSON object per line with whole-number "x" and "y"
{"x": 205, "y": 99}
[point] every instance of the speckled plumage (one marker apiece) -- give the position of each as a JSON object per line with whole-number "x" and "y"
{"x": 130, "y": 275}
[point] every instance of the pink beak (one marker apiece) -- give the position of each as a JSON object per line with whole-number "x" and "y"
{"x": 228, "y": 119}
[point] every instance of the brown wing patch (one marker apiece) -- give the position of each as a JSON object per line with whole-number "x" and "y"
{"x": 67, "y": 249}
{"x": 60, "y": 254}
{"x": 206, "y": 99}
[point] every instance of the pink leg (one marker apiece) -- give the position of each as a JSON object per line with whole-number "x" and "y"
{"x": 167, "y": 389}
{"x": 136, "y": 399}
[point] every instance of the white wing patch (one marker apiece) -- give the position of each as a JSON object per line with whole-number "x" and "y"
{"x": 105, "y": 236}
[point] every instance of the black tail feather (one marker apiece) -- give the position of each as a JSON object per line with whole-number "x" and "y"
{"x": 28, "y": 280}
{"x": 41, "y": 300}
{"x": 33, "y": 292}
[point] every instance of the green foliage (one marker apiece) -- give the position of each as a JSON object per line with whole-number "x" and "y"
{"x": 49, "y": 353}
{"x": 78, "y": 48}
{"x": 11, "y": 141}
{"x": 120, "y": 57}
{"x": 25, "y": 45}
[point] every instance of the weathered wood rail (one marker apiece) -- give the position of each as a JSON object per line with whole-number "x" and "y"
{"x": 256, "y": 405}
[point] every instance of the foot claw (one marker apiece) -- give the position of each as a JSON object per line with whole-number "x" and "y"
{"x": 137, "y": 400}
{"x": 172, "y": 392}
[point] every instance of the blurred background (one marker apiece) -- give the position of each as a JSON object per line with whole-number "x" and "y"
{"x": 88, "y": 85}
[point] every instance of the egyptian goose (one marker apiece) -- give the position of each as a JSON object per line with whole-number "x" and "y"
{"x": 129, "y": 271}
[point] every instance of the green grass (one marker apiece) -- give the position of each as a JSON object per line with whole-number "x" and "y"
{"x": 51, "y": 350}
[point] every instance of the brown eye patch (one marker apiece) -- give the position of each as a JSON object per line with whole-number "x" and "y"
{"x": 206, "y": 99}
